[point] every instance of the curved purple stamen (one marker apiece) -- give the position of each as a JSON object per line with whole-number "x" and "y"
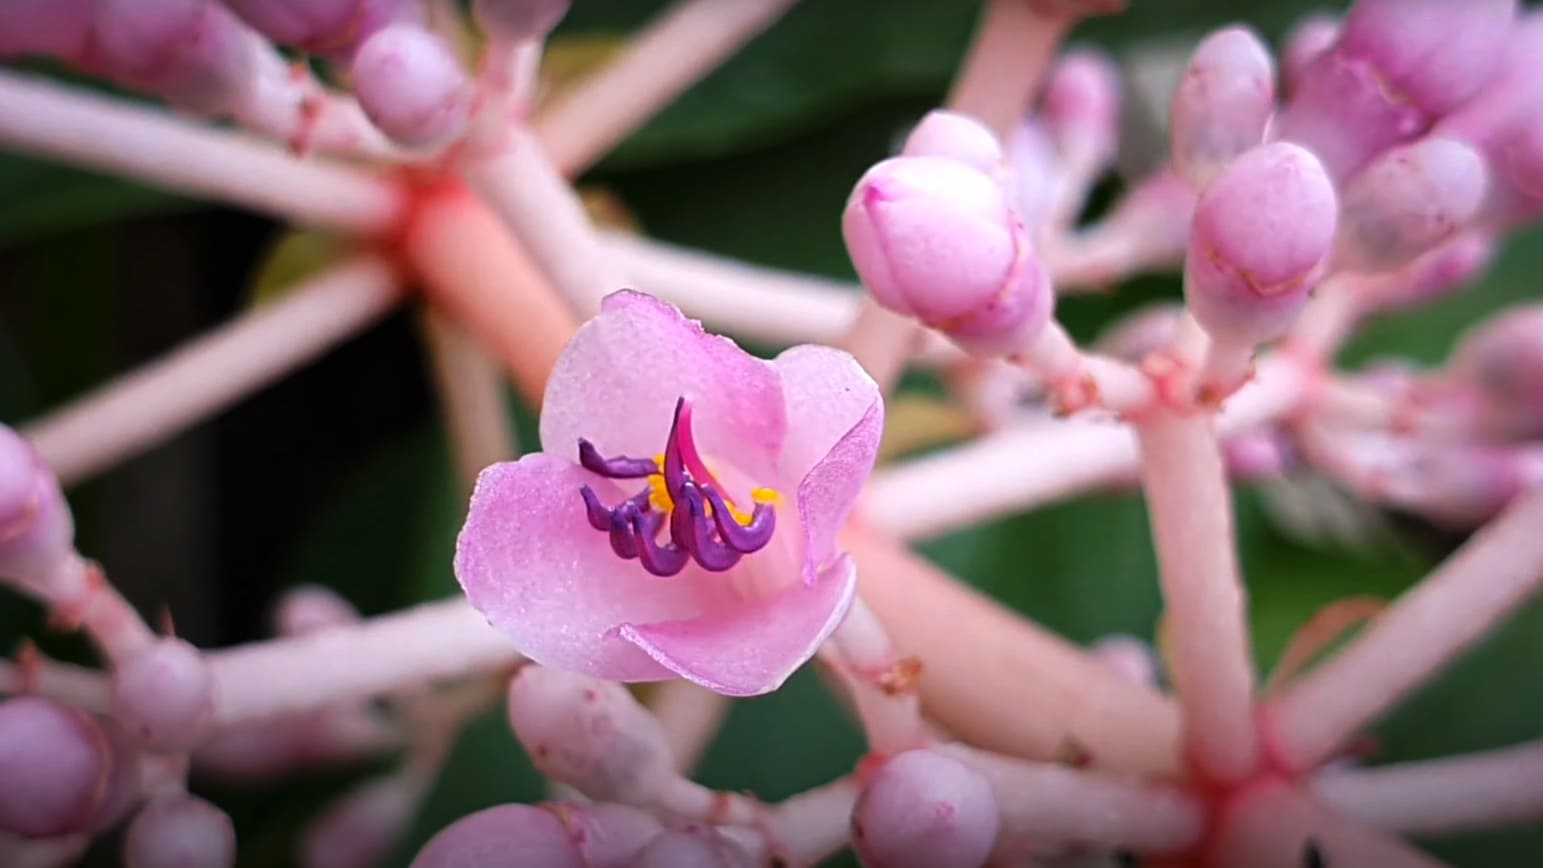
{"x": 745, "y": 538}
{"x": 599, "y": 516}
{"x": 663, "y": 561}
{"x": 674, "y": 469}
{"x": 623, "y": 541}
{"x": 613, "y": 468}
{"x": 711, "y": 553}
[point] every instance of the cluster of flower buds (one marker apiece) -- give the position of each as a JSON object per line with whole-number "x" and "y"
{"x": 923, "y": 809}
{"x": 560, "y": 835}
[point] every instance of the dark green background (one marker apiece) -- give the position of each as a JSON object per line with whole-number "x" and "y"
{"x": 339, "y": 475}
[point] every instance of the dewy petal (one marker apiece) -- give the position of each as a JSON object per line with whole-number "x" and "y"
{"x": 752, "y": 648}
{"x": 529, "y": 561}
{"x": 836, "y": 417}
{"x": 617, "y": 382}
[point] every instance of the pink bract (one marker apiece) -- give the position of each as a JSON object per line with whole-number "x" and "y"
{"x": 806, "y": 424}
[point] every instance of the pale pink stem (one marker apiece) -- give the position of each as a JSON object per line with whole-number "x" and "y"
{"x": 812, "y": 826}
{"x": 380, "y": 655}
{"x": 111, "y": 135}
{"x": 149, "y": 405}
{"x": 881, "y": 341}
{"x": 288, "y": 104}
{"x": 1439, "y": 797}
{"x": 883, "y": 683}
{"x": 1272, "y": 825}
{"x": 471, "y": 395}
{"x": 691, "y": 717}
{"x": 1030, "y": 465}
{"x": 689, "y": 40}
{"x": 1497, "y": 570}
{"x": 79, "y": 686}
{"x": 1051, "y": 805}
{"x": 1014, "y": 44}
{"x": 518, "y": 182}
{"x": 1327, "y": 321}
{"x": 1191, "y": 514}
{"x": 79, "y": 597}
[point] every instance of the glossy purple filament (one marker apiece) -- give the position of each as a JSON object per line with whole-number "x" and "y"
{"x": 702, "y": 526}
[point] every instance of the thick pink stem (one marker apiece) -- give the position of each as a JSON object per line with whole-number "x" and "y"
{"x": 689, "y": 40}
{"x": 79, "y": 686}
{"x": 151, "y": 404}
{"x": 1272, "y": 825}
{"x": 882, "y": 682}
{"x": 812, "y": 826}
{"x": 112, "y": 135}
{"x": 1191, "y": 513}
{"x": 1496, "y": 571}
{"x": 1014, "y": 45}
{"x": 471, "y": 395}
{"x": 1438, "y": 797}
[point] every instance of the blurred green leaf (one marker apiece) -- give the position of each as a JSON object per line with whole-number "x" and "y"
{"x": 43, "y": 198}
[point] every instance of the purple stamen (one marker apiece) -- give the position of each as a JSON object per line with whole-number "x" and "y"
{"x": 623, "y": 542}
{"x": 674, "y": 469}
{"x": 711, "y": 553}
{"x": 620, "y": 467}
{"x": 745, "y": 538}
{"x": 663, "y": 561}
{"x": 599, "y": 516}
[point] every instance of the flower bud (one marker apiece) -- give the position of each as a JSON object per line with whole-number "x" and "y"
{"x": 936, "y": 239}
{"x": 519, "y": 20}
{"x": 164, "y": 696}
{"x": 1081, "y": 107}
{"x": 1222, "y": 104}
{"x": 1513, "y": 94}
{"x": 311, "y": 608}
{"x": 412, "y": 87}
{"x": 1128, "y": 656}
{"x": 37, "y": 533}
{"x": 193, "y": 53}
{"x": 502, "y": 835}
{"x": 1450, "y": 267}
{"x": 1503, "y": 358}
{"x": 1520, "y": 161}
{"x": 1398, "y": 67}
{"x": 694, "y": 847}
{"x": 955, "y": 136}
{"x": 1408, "y": 201}
{"x": 1261, "y": 234}
{"x": 45, "y": 28}
{"x": 1309, "y": 38}
{"x": 180, "y": 832}
{"x": 1035, "y": 175}
{"x": 329, "y": 28}
{"x": 359, "y": 829}
{"x": 61, "y": 772}
{"x": 925, "y": 810}
{"x": 1256, "y": 455}
{"x": 590, "y": 734}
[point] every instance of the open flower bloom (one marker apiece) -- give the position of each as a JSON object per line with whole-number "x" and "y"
{"x": 682, "y": 519}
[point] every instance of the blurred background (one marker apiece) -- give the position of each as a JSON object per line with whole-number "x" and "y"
{"x": 339, "y": 475}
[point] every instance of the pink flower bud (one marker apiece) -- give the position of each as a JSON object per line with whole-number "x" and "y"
{"x": 1520, "y": 161}
{"x": 1451, "y": 267}
{"x": 1309, "y": 38}
{"x": 609, "y": 835}
{"x": 330, "y": 28}
{"x": 1128, "y": 656}
{"x": 1141, "y": 332}
{"x": 590, "y": 734}
{"x": 519, "y": 20}
{"x": 1256, "y": 455}
{"x": 1513, "y": 94}
{"x": 412, "y": 86}
{"x": 61, "y": 772}
{"x": 502, "y": 835}
{"x": 47, "y": 28}
{"x": 1222, "y": 104}
{"x": 164, "y": 697}
{"x": 1036, "y": 172}
{"x": 1261, "y": 234}
{"x": 37, "y": 533}
{"x": 936, "y": 239}
{"x": 1398, "y": 67}
{"x": 180, "y": 832}
{"x": 1408, "y": 201}
{"x": 1503, "y": 358}
{"x": 136, "y": 37}
{"x": 925, "y": 810}
{"x": 693, "y": 847}
{"x": 358, "y": 830}
{"x": 311, "y": 608}
{"x": 1081, "y": 106}
{"x": 193, "y": 53}
{"x": 956, "y": 137}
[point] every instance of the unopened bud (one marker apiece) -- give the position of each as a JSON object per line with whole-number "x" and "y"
{"x": 515, "y": 835}
{"x": 164, "y": 696}
{"x": 1222, "y": 105}
{"x": 359, "y": 829}
{"x": 590, "y": 734}
{"x": 936, "y": 239}
{"x": 61, "y": 772}
{"x": 1309, "y": 38}
{"x": 1128, "y": 656}
{"x": 1035, "y": 175}
{"x": 1451, "y": 267}
{"x": 193, "y": 53}
{"x": 1406, "y": 202}
{"x": 519, "y": 20}
{"x": 693, "y": 847}
{"x": 956, "y": 137}
{"x": 45, "y": 28}
{"x": 1261, "y": 234}
{"x": 329, "y": 28}
{"x": 412, "y": 87}
{"x": 925, "y": 810}
{"x": 37, "y": 533}
{"x": 180, "y": 832}
{"x": 1503, "y": 358}
{"x": 1513, "y": 94}
{"x": 311, "y": 608}
{"x": 1520, "y": 162}
{"x": 1081, "y": 107}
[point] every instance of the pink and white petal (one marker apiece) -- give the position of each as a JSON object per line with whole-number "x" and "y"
{"x": 528, "y": 560}
{"x": 617, "y": 381}
{"x": 830, "y": 489}
{"x": 752, "y": 649}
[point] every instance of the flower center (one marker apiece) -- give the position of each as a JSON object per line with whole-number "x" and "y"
{"x": 683, "y": 513}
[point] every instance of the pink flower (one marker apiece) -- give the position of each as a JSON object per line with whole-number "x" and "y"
{"x": 716, "y": 559}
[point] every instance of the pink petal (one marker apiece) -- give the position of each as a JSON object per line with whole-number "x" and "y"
{"x": 617, "y": 381}
{"x": 529, "y": 561}
{"x": 836, "y": 417}
{"x": 751, "y": 649}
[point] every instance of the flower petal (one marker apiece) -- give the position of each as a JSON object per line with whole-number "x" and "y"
{"x": 528, "y": 560}
{"x": 752, "y": 648}
{"x": 617, "y": 381}
{"x": 835, "y": 420}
